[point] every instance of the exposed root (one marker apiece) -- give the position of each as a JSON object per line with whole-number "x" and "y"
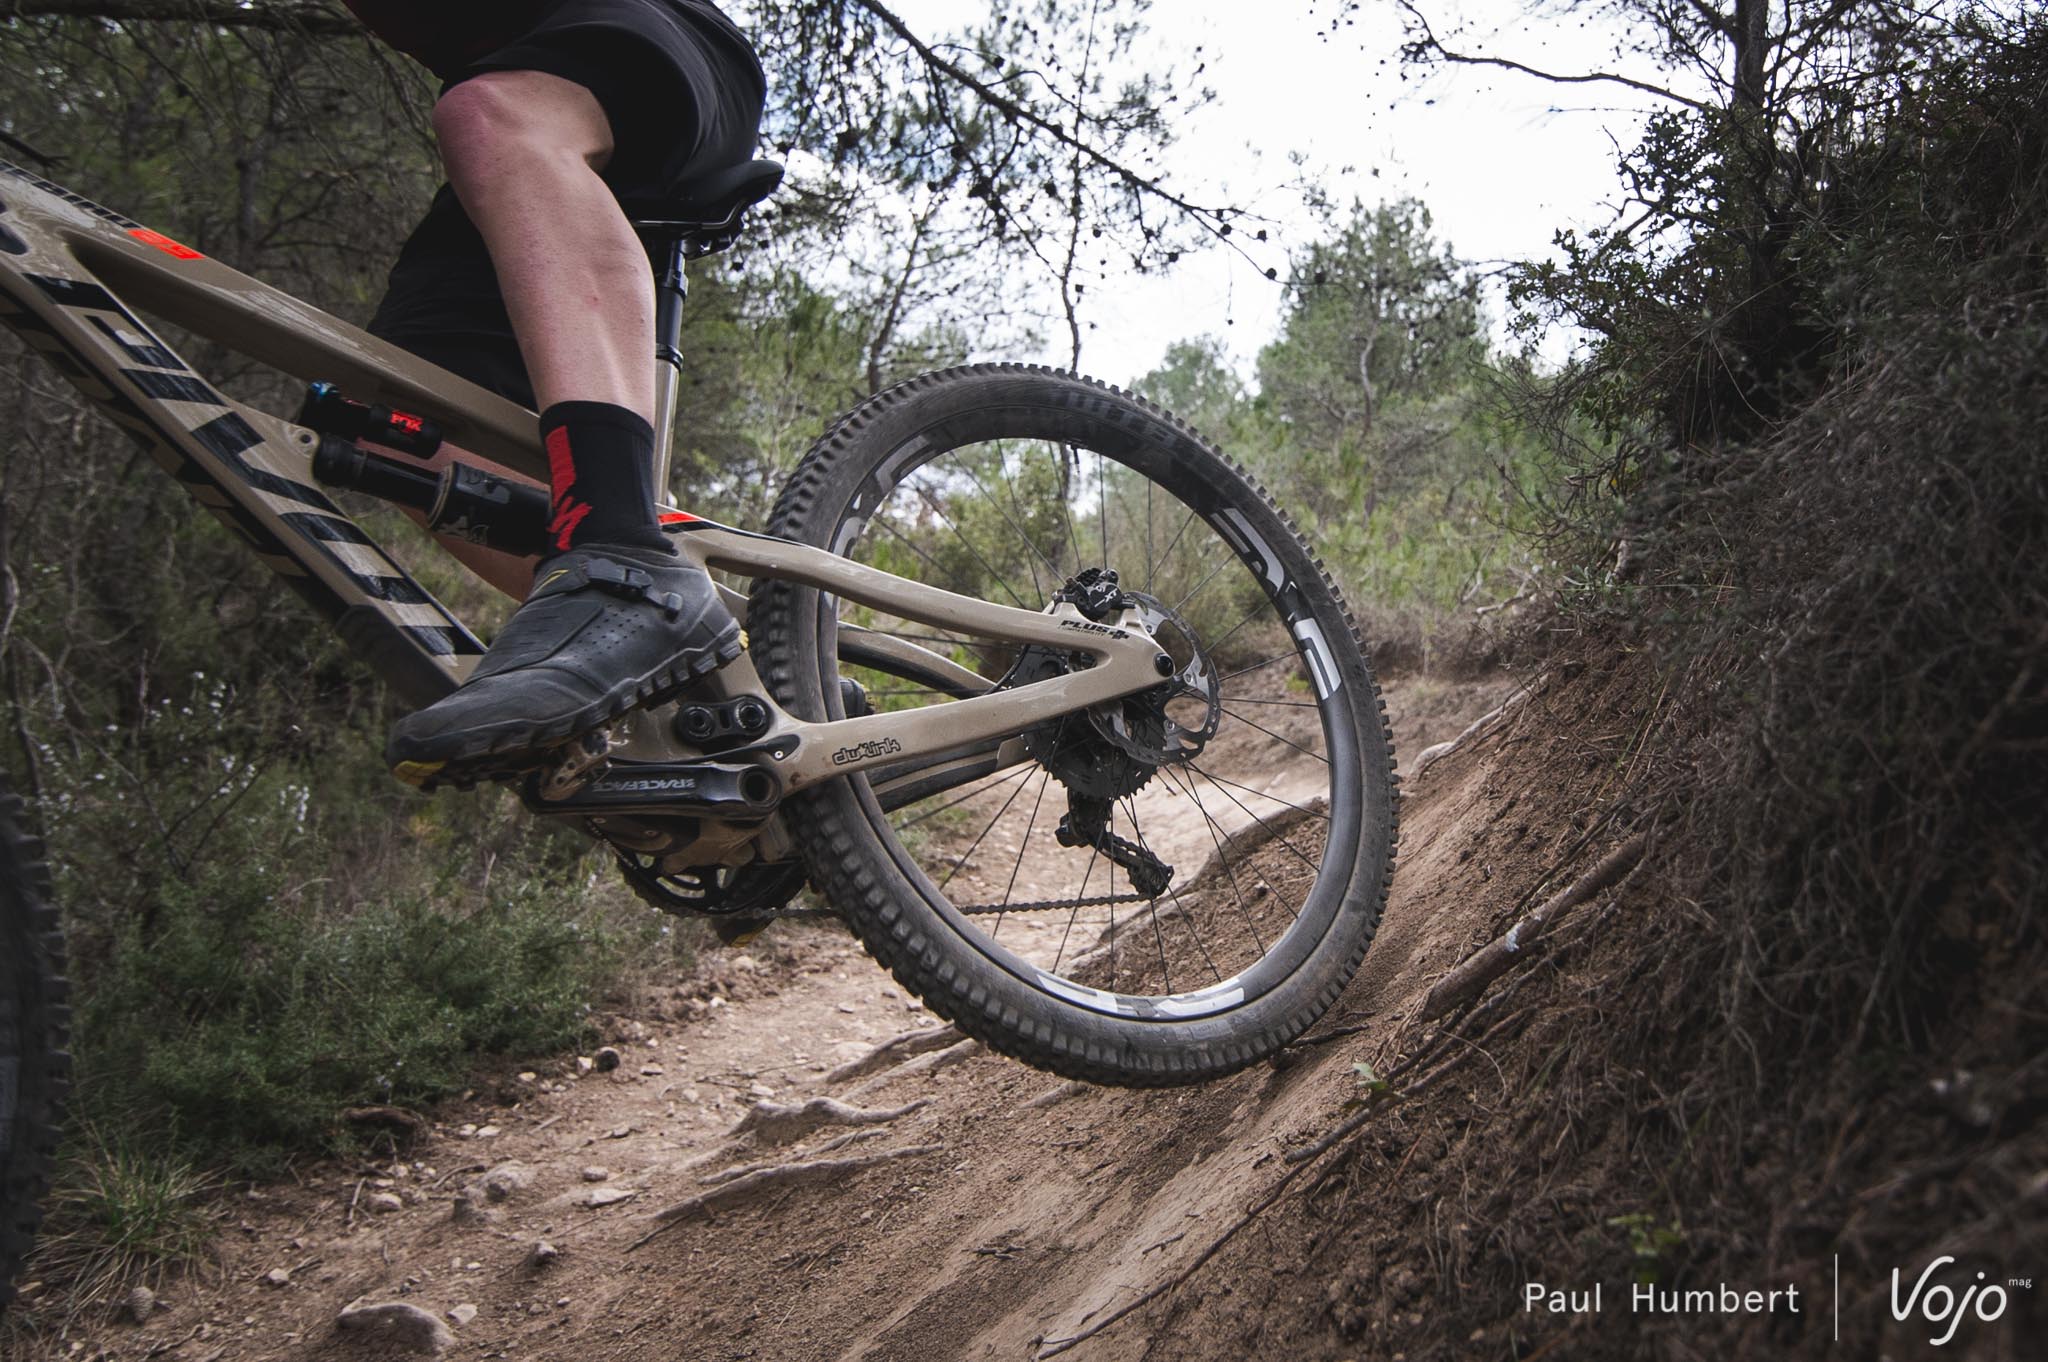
{"x": 1429, "y": 756}
{"x": 894, "y": 1050}
{"x": 1052, "y": 1097}
{"x": 776, "y": 1178}
{"x": 774, "y": 1124}
{"x": 1489, "y": 962}
{"x": 923, "y": 1064}
{"x": 725, "y": 1175}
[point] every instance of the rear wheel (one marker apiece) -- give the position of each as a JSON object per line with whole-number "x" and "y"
{"x": 1159, "y": 890}
{"x": 33, "y": 1016}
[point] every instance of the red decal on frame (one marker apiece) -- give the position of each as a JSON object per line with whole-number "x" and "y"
{"x": 164, "y": 244}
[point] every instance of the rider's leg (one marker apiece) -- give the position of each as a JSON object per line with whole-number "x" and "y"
{"x": 615, "y": 618}
{"x": 524, "y": 150}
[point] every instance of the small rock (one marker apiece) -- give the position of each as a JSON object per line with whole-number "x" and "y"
{"x": 584, "y": 1064}
{"x": 607, "y": 1059}
{"x": 608, "y": 1196}
{"x": 618, "y": 1133}
{"x": 277, "y": 1276}
{"x": 596, "y": 1173}
{"x": 489, "y": 1133}
{"x": 507, "y": 1180}
{"x": 563, "y": 1302}
{"x": 717, "y": 1002}
{"x": 761, "y": 1090}
{"x": 528, "y": 1076}
{"x": 384, "y": 1203}
{"x": 466, "y": 1211}
{"x": 395, "y": 1321}
{"x": 745, "y": 963}
{"x": 847, "y": 1008}
{"x": 542, "y": 1253}
{"x": 141, "y": 1301}
{"x": 463, "y": 1315}
{"x": 652, "y": 1071}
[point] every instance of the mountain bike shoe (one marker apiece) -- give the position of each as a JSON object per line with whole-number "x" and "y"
{"x": 606, "y": 628}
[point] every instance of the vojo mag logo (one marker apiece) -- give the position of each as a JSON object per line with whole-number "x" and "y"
{"x": 1942, "y": 1309}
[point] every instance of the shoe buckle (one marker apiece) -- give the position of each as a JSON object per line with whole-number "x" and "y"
{"x": 621, "y": 578}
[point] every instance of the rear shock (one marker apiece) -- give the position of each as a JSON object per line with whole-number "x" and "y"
{"x": 460, "y": 500}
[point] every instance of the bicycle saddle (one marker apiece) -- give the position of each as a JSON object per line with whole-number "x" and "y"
{"x": 709, "y": 204}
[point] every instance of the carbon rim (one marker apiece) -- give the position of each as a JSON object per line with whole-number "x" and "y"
{"x": 1009, "y": 501}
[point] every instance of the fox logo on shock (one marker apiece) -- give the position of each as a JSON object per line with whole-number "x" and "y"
{"x": 864, "y": 751}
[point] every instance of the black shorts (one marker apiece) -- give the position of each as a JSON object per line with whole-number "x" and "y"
{"x": 683, "y": 91}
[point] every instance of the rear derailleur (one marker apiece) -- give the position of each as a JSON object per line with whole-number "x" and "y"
{"x": 1087, "y": 825}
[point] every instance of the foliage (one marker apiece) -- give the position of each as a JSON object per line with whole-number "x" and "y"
{"x": 1376, "y": 311}
{"x": 1374, "y": 424}
{"x": 252, "y": 1010}
{"x": 122, "y": 1212}
{"x": 1801, "y": 467}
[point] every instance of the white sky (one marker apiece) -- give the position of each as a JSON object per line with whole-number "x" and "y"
{"x": 1501, "y": 160}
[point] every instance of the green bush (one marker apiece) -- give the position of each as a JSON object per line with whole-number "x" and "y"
{"x": 250, "y": 1021}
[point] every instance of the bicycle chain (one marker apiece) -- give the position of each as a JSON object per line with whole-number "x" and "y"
{"x": 1040, "y": 905}
{"x": 970, "y": 909}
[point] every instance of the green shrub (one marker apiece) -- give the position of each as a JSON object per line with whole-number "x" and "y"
{"x": 247, "y": 1017}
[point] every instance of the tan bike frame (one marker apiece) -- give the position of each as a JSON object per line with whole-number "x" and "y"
{"x": 70, "y": 271}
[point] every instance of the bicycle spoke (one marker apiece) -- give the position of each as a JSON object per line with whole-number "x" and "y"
{"x": 1217, "y": 646}
{"x": 958, "y": 534}
{"x": 1275, "y": 736}
{"x": 1201, "y": 586}
{"x": 1037, "y": 587}
{"x": 1230, "y": 874}
{"x": 1264, "y": 826}
{"x": 1007, "y": 776}
{"x": 915, "y": 547}
{"x": 1138, "y": 834}
{"x": 969, "y": 853}
{"x": 1219, "y": 780}
{"x": 1256, "y": 666}
{"x": 1174, "y": 542}
{"x": 1094, "y": 854}
{"x": 1022, "y": 846}
{"x": 1285, "y": 704}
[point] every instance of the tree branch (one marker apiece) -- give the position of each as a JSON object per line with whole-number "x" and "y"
{"x": 295, "y": 16}
{"x": 1001, "y": 102}
{"x": 1426, "y": 46}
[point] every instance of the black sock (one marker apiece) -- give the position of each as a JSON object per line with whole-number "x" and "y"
{"x": 601, "y": 475}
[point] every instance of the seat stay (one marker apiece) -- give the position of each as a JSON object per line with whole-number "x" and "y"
{"x": 1124, "y": 661}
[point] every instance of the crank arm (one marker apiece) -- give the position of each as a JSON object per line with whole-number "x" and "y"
{"x": 689, "y": 789}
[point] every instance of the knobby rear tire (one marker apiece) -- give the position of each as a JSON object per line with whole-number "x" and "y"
{"x": 864, "y": 871}
{"x": 34, "y": 1019}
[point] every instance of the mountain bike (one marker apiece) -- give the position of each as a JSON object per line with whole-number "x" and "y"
{"x": 1043, "y": 695}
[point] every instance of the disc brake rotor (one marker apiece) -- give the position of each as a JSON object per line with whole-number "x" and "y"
{"x": 1112, "y": 749}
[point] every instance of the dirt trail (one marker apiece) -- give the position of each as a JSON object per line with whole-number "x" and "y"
{"x": 1037, "y": 1206}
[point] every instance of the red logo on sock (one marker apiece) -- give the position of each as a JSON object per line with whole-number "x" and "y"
{"x": 569, "y": 512}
